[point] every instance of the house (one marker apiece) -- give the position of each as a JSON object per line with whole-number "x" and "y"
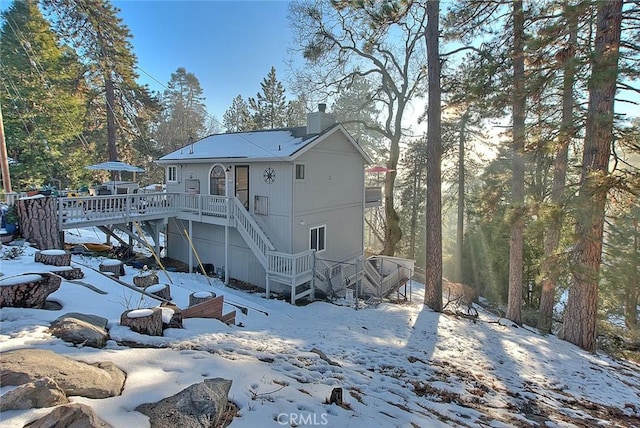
{"x": 281, "y": 209}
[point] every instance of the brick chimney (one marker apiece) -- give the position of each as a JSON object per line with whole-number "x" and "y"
{"x": 320, "y": 120}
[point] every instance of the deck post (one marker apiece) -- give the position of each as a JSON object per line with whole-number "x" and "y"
{"x": 226, "y": 244}
{"x": 268, "y": 285}
{"x": 313, "y": 277}
{"x": 190, "y": 252}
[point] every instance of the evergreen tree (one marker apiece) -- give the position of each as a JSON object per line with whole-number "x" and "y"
{"x": 356, "y": 109}
{"x": 269, "y": 108}
{"x": 94, "y": 28}
{"x": 296, "y": 112}
{"x": 184, "y": 112}
{"x": 580, "y": 315}
{"x": 237, "y": 118}
{"x": 43, "y": 99}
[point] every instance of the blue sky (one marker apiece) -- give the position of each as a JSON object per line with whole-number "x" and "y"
{"x": 229, "y": 45}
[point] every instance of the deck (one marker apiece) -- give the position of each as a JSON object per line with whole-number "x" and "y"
{"x": 294, "y": 270}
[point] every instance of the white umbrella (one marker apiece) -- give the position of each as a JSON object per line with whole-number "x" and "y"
{"x": 115, "y": 166}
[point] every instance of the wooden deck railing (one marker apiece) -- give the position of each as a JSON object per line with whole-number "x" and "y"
{"x": 87, "y": 210}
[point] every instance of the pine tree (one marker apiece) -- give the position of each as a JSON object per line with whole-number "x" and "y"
{"x": 269, "y": 108}
{"x": 237, "y": 118}
{"x": 185, "y": 114}
{"x": 94, "y": 28}
{"x": 580, "y": 315}
{"x": 43, "y": 101}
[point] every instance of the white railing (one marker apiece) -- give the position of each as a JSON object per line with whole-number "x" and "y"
{"x": 251, "y": 232}
{"x": 122, "y": 208}
{"x": 290, "y": 265}
{"x": 211, "y": 205}
{"x": 387, "y": 275}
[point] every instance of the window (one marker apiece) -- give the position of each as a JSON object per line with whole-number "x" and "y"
{"x": 317, "y": 237}
{"x": 261, "y": 205}
{"x": 217, "y": 181}
{"x": 299, "y": 171}
{"x": 172, "y": 173}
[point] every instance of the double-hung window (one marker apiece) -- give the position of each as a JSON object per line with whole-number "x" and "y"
{"x": 172, "y": 174}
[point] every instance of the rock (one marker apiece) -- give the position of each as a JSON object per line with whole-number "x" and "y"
{"x": 43, "y": 392}
{"x": 74, "y": 415}
{"x": 88, "y": 330}
{"x": 99, "y": 380}
{"x": 200, "y": 405}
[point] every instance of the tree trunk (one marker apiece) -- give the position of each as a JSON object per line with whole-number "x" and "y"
{"x": 580, "y": 315}
{"x": 516, "y": 242}
{"x": 112, "y": 148}
{"x": 633, "y": 285}
{"x": 461, "y": 199}
{"x": 567, "y": 131}
{"x": 392, "y": 231}
{"x": 39, "y": 222}
{"x": 433, "y": 265}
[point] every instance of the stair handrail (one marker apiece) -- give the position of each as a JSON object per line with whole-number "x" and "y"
{"x": 255, "y": 237}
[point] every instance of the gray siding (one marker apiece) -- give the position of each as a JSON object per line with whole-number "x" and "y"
{"x": 331, "y": 194}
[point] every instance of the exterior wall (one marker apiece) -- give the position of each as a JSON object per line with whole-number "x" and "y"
{"x": 331, "y": 194}
{"x": 277, "y": 224}
{"x": 209, "y": 243}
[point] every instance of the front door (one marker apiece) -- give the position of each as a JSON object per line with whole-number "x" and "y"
{"x": 242, "y": 184}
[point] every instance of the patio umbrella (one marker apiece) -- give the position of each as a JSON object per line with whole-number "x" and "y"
{"x": 115, "y": 166}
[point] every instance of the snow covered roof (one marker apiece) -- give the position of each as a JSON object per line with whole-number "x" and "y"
{"x": 273, "y": 144}
{"x": 256, "y": 145}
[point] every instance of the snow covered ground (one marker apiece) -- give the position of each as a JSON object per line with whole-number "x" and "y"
{"x": 399, "y": 364}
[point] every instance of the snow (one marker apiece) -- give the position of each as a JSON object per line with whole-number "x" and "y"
{"x": 398, "y": 364}
{"x": 270, "y": 144}
{"x": 53, "y": 252}
{"x": 139, "y": 313}
{"x": 20, "y": 279}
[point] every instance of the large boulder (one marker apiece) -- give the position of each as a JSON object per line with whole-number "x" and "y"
{"x": 200, "y": 405}
{"x": 84, "y": 329}
{"x": 99, "y": 380}
{"x": 43, "y": 392}
{"x": 74, "y": 415}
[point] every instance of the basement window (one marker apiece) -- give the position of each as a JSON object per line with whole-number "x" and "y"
{"x": 317, "y": 238}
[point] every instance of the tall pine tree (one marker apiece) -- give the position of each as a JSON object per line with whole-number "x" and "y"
{"x": 269, "y": 108}
{"x": 43, "y": 98}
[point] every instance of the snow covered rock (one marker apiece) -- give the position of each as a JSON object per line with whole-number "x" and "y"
{"x": 99, "y": 380}
{"x": 88, "y": 330}
{"x": 200, "y": 405}
{"x": 70, "y": 415}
